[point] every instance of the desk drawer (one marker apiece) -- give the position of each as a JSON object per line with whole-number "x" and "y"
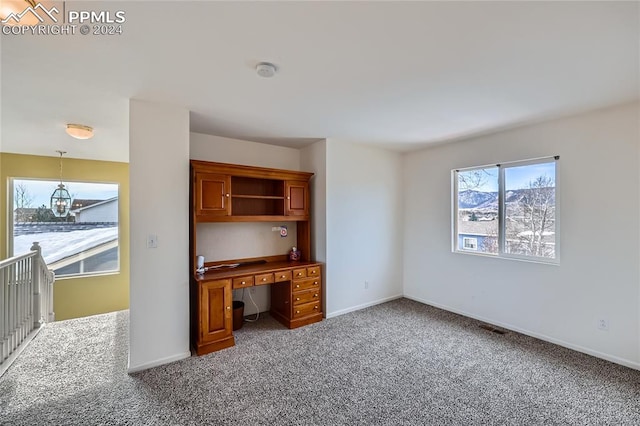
{"x": 242, "y": 282}
{"x": 263, "y": 279}
{"x": 306, "y": 297}
{"x": 281, "y": 276}
{"x": 313, "y": 271}
{"x": 299, "y": 273}
{"x": 306, "y": 309}
{"x": 306, "y": 284}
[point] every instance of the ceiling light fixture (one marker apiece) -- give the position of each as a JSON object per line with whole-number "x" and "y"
{"x": 266, "y": 69}
{"x": 79, "y": 131}
{"x": 60, "y": 199}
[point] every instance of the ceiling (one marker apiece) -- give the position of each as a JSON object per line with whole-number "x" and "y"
{"x": 401, "y": 75}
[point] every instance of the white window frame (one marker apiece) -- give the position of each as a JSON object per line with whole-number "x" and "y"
{"x": 502, "y": 212}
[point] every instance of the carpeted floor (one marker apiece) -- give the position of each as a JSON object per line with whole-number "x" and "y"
{"x": 399, "y": 363}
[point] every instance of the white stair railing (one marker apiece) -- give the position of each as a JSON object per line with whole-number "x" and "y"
{"x": 26, "y": 302}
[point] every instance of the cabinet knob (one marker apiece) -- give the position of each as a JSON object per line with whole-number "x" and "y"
{"x": 315, "y": 295}
{"x": 226, "y": 195}
{"x": 243, "y": 283}
{"x": 297, "y": 285}
{"x": 315, "y": 283}
{"x": 297, "y": 298}
{"x": 228, "y": 308}
{"x": 281, "y": 276}
{"x": 315, "y": 307}
{"x": 264, "y": 279}
{"x": 299, "y": 273}
{"x": 297, "y": 312}
{"x": 288, "y": 198}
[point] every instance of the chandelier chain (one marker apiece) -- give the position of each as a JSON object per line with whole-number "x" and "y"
{"x": 61, "y": 152}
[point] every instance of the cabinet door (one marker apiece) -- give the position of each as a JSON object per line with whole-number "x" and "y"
{"x": 212, "y": 197}
{"x": 216, "y": 318}
{"x": 297, "y": 202}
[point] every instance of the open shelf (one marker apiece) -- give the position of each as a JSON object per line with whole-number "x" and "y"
{"x": 247, "y": 186}
{"x": 257, "y": 206}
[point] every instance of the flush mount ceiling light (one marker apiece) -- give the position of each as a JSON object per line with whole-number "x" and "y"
{"x": 266, "y": 69}
{"x": 79, "y": 131}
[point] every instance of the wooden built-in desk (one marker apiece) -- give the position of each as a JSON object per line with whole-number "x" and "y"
{"x": 238, "y": 193}
{"x": 296, "y": 298}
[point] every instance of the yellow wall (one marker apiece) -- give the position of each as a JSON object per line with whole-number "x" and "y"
{"x": 82, "y": 296}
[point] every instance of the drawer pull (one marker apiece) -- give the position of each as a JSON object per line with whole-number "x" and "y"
{"x": 315, "y": 295}
{"x": 315, "y": 283}
{"x": 264, "y": 279}
{"x": 297, "y": 312}
{"x": 315, "y": 307}
{"x": 297, "y": 285}
{"x": 297, "y": 298}
{"x": 226, "y": 195}
{"x": 243, "y": 283}
{"x": 299, "y": 273}
{"x": 228, "y": 308}
{"x": 282, "y": 276}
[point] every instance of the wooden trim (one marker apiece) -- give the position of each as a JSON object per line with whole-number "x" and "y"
{"x": 249, "y": 171}
{"x": 266, "y": 218}
{"x": 202, "y": 349}
{"x": 276, "y": 258}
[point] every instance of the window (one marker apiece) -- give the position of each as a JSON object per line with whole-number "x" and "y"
{"x": 469, "y": 243}
{"x": 507, "y": 210}
{"x": 82, "y": 242}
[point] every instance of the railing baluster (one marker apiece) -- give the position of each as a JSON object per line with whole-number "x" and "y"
{"x": 26, "y": 301}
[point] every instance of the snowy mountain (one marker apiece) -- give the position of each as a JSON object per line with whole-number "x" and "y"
{"x": 477, "y": 200}
{"x": 471, "y": 199}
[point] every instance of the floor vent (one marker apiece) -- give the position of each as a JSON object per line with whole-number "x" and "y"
{"x": 492, "y": 329}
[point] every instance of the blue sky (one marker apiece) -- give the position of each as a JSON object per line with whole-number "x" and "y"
{"x": 40, "y": 190}
{"x": 515, "y": 177}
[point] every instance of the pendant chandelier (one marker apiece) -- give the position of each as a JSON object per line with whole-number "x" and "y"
{"x": 60, "y": 199}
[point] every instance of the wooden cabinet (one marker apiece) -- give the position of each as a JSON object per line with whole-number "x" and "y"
{"x": 235, "y": 193}
{"x": 212, "y": 194}
{"x": 297, "y": 200}
{"x": 215, "y": 323}
{"x": 298, "y": 302}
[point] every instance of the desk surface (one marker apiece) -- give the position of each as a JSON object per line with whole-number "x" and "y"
{"x": 238, "y": 271}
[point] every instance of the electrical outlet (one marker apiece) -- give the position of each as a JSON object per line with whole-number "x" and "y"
{"x": 603, "y": 324}
{"x": 366, "y": 285}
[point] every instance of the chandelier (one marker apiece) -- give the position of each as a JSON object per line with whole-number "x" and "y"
{"x": 60, "y": 199}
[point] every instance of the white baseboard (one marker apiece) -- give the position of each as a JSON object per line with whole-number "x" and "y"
{"x": 597, "y": 354}
{"x": 365, "y": 305}
{"x": 158, "y": 362}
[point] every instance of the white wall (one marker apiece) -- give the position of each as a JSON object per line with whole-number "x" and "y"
{"x": 104, "y": 212}
{"x": 599, "y": 195}
{"x": 159, "y": 292}
{"x": 363, "y": 226}
{"x": 221, "y": 241}
{"x": 236, "y": 151}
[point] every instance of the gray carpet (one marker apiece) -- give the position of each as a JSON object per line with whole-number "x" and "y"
{"x": 400, "y": 363}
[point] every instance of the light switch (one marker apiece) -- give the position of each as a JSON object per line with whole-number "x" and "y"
{"x": 152, "y": 241}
